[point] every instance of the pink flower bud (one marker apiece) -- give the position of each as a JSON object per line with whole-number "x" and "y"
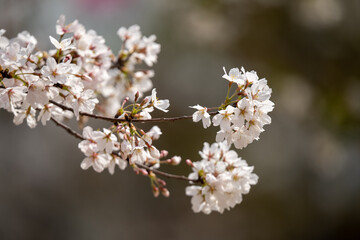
{"x": 161, "y": 182}
{"x": 144, "y": 172}
{"x": 155, "y": 191}
{"x": 165, "y": 192}
{"x": 163, "y": 153}
{"x": 189, "y": 162}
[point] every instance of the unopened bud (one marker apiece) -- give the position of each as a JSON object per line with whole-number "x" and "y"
{"x": 189, "y": 162}
{"x": 143, "y": 172}
{"x": 125, "y": 101}
{"x": 163, "y": 153}
{"x": 175, "y": 160}
{"x": 155, "y": 191}
{"x": 67, "y": 58}
{"x": 165, "y": 192}
{"x": 161, "y": 182}
{"x": 136, "y": 96}
{"x": 144, "y": 101}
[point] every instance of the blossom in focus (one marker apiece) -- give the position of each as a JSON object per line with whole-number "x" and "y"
{"x": 159, "y": 104}
{"x": 223, "y": 118}
{"x": 225, "y": 178}
{"x": 201, "y": 114}
{"x": 234, "y": 76}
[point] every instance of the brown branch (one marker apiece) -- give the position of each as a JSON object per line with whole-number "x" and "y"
{"x": 68, "y": 129}
{"x": 168, "y": 175}
{"x": 172, "y": 119}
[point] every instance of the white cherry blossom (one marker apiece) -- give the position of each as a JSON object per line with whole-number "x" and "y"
{"x": 223, "y": 118}
{"x": 159, "y": 104}
{"x": 234, "y": 76}
{"x": 201, "y": 114}
{"x": 225, "y": 178}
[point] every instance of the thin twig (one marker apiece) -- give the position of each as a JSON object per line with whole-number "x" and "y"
{"x": 68, "y": 129}
{"x": 172, "y": 119}
{"x": 168, "y": 175}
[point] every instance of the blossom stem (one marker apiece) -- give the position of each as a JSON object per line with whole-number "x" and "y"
{"x": 68, "y": 129}
{"x": 172, "y": 119}
{"x": 168, "y": 175}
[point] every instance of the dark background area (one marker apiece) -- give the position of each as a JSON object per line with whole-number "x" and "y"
{"x": 308, "y": 159}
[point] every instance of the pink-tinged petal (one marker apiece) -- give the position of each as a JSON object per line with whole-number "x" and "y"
{"x": 97, "y": 166}
{"x": 206, "y": 122}
{"x": 86, "y": 163}
{"x": 109, "y": 147}
{"x": 111, "y": 167}
{"x": 122, "y": 164}
{"x": 87, "y": 132}
{"x": 217, "y": 119}
{"x": 197, "y": 116}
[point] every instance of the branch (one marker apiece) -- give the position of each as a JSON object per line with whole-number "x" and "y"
{"x": 114, "y": 120}
{"x": 68, "y": 129}
{"x": 168, "y": 175}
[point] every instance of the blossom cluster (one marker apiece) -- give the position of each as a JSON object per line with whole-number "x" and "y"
{"x": 243, "y": 115}
{"x": 79, "y": 72}
{"x": 103, "y": 149}
{"x": 80, "y": 76}
{"x": 225, "y": 177}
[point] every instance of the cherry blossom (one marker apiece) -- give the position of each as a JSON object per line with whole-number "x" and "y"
{"x": 201, "y": 114}
{"x": 82, "y": 77}
{"x": 225, "y": 176}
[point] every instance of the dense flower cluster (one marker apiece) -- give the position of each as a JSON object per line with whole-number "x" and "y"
{"x": 82, "y": 77}
{"x": 80, "y": 72}
{"x": 225, "y": 178}
{"x": 103, "y": 150}
{"x": 242, "y": 116}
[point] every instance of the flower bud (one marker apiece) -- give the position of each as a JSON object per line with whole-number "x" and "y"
{"x": 137, "y": 94}
{"x": 161, "y": 182}
{"x": 175, "y": 160}
{"x": 163, "y": 153}
{"x": 144, "y": 172}
{"x": 144, "y": 101}
{"x": 189, "y": 162}
{"x": 165, "y": 192}
{"x": 155, "y": 191}
{"x": 67, "y": 58}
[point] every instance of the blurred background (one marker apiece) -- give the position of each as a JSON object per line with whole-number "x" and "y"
{"x": 308, "y": 159}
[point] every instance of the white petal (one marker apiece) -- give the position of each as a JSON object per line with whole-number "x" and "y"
{"x": 86, "y": 163}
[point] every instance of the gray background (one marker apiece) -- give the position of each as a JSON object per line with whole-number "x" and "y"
{"x": 308, "y": 159}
